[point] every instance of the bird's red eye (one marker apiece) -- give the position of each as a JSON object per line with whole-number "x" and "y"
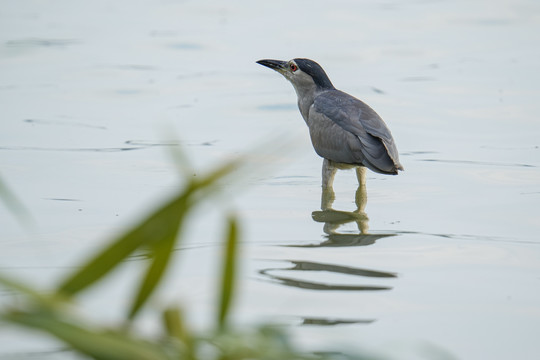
{"x": 293, "y": 67}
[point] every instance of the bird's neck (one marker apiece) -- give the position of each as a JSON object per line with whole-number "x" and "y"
{"x": 304, "y": 105}
{"x": 306, "y": 97}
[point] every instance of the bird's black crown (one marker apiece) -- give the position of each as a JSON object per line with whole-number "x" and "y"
{"x": 315, "y": 70}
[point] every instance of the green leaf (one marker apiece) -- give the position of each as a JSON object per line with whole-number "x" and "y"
{"x": 218, "y": 173}
{"x": 103, "y": 345}
{"x": 161, "y": 255}
{"x": 173, "y": 322}
{"x": 229, "y": 270}
{"x": 176, "y": 328}
{"x": 14, "y": 205}
{"x": 164, "y": 247}
{"x": 161, "y": 224}
{"x": 182, "y": 162}
{"x": 44, "y": 301}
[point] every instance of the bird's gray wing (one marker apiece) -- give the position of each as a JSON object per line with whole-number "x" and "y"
{"x": 359, "y": 119}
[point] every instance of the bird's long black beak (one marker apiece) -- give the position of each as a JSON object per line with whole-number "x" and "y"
{"x": 277, "y": 65}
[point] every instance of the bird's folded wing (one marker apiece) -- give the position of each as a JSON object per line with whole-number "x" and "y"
{"x": 359, "y": 119}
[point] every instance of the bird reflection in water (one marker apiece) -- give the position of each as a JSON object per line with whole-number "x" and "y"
{"x": 309, "y": 266}
{"x": 334, "y": 219}
{"x": 275, "y": 275}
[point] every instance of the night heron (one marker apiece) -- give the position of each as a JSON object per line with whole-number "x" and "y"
{"x": 344, "y": 131}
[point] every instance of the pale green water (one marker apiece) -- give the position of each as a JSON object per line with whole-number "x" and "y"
{"x": 89, "y": 95}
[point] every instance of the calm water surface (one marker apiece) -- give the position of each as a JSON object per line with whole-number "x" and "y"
{"x": 443, "y": 262}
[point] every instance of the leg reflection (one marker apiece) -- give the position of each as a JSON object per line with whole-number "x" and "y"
{"x": 361, "y": 200}
{"x": 333, "y": 219}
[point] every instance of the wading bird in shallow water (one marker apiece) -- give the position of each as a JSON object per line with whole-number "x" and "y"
{"x": 344, "y": 131}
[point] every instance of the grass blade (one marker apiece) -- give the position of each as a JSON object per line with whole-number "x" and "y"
{"x": 160, "y": 259}
{"x": 159, "y": 225}
{"x": 229, "y": 270}
{"x": 105, "y": 345}
{"x": 42, "y": 301}
{"x": 174, "y": 324}
{"x": 215, "y": 175}
{"x": 14, "y": 205}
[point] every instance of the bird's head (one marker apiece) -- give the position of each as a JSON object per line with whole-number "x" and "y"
{"x": 304, "y": 74}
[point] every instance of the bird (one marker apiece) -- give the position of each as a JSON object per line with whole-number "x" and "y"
{"x": 344, "y": 130}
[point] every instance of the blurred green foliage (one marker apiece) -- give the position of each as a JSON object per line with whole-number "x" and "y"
{"x": 14, "y": 205}
{"x": 158, "y": 234}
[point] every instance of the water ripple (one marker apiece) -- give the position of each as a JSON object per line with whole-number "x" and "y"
{"x": 482, "y": 163}
{"x": 62, "y": 123}
{"x": 330, "y": 268}
{"x": 469, "y": 237}
{"x": 40, "y": 42}
{"x": 37, "y": 148}
{"x": 333, "y": 321}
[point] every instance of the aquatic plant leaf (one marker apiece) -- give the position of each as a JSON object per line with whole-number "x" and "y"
{"x": 163, "y": 247}
{"x": 161, "y": 255}
{"x": 181, "y": 161}
{"x": 229, "y": 270}
{"x": 15, "y": 205}
{"x": 266, "y": 343}
{"x": 106, "y": 345}
{"x": 215, "y": 175}
{"x": 174, "y": 324}
{"x": 154, "y": 228}
{"x": 42, "y": 301}
{"x": 176, "y": 328}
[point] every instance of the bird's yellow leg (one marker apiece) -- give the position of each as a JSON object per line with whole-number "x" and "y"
{"x": 328, "y": 174}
